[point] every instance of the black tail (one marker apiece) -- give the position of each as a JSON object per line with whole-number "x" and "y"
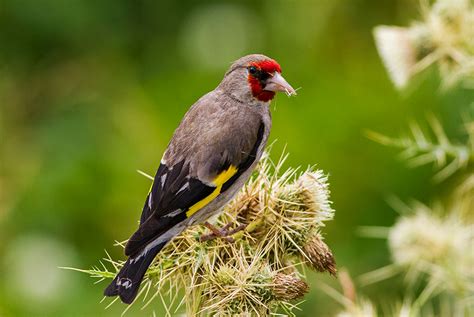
{"x": 128, "y": 280}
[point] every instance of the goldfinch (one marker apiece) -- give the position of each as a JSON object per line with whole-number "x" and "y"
{"x": 211, "y": 155}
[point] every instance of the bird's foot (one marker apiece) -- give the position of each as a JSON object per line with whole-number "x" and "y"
{"x": 224, "y": 233}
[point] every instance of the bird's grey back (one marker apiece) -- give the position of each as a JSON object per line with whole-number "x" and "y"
{"x": 217, "y": 130}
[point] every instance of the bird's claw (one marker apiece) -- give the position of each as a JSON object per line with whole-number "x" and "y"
{"x": 224, "y": 233}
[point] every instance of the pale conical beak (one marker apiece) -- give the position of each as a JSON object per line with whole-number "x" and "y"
{"x": 278, "y": 83}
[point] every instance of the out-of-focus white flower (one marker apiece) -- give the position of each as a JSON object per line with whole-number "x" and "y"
{"x": 441, "y": 247}
{"x": 451, "y": 25}
{"x": 445, "y": 37}
{"x": 399, "y": 49}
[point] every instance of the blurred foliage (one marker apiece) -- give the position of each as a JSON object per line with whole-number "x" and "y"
{"x": 90, "y": 91}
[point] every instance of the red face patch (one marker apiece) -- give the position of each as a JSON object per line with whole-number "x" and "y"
{"x": 269, "y": 66}
{"x": 259, "y": 72}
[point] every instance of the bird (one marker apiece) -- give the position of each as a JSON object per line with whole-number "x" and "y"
{"x": 210, "y": 156}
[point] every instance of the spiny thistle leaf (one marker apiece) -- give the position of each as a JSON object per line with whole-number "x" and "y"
{"x": 420, "y": 148}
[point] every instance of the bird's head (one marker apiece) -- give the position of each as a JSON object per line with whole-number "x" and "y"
{"x": 255, "y": 77}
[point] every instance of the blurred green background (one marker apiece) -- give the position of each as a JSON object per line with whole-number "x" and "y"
{"x": 90, "y": 91}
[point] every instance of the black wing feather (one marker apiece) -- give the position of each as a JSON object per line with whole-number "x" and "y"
{"x": 166, "y": 199}
{"x": 176, "y": 194}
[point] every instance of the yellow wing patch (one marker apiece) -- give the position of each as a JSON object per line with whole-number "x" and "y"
{"x": 225, "y": 176}
{"x": 203, "y": 202}
{"x": 218, "y": 181}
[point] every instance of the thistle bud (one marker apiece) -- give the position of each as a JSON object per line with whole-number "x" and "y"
{"x": 287, "y": 287}
{"x": 318, "y": 255}
{"x": 306, "y": 201}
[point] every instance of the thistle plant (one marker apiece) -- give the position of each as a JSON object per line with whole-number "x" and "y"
{"x": 260, "y": 273}
{"x": 441, "y": 251}
{"x": 432, "y": 246}
{"x": 444, "y": 36}
{"x": 420, "y": 148}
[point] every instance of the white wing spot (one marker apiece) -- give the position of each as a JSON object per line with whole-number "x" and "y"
{"x": 174, "y": 213}
{"x": 185, "y": 186}
{"x": 132, "y": 260}
{"x": 150, "y": 200}
{"x": 163, "y": 179}
{"x": 125, "y": 282}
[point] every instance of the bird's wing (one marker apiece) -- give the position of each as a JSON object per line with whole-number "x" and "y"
{"x": 177, "y": 193}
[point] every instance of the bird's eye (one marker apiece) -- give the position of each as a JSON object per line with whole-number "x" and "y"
{"x": 252, "y": 70}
